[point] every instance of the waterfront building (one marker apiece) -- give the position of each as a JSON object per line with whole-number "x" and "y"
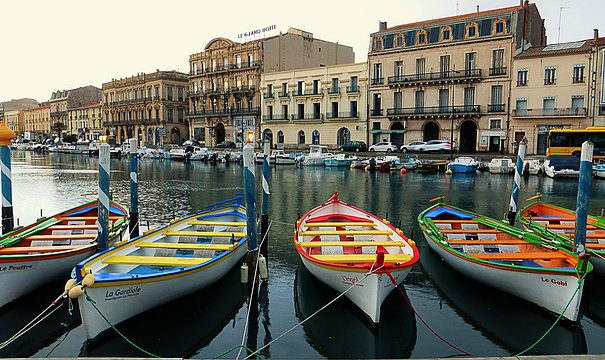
{"x": 150, "y": 107}
{"x": 16, "y": 104}
{"x": 224, "y": 82}
{"x": 14, "y": 120}
{"x": 37, "y": 122}
{"x": 322, "y": 105}
{"x": 597, "y": 83}
{"x": 85, "y": 122}
{"x": 448, "y": 77}
{"x": 63, "y": 100}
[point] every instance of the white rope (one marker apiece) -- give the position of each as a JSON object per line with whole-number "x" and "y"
{"x": 281, "y": 222}
{"x": 251, "y": 293}
{"x": 372, "y": 270}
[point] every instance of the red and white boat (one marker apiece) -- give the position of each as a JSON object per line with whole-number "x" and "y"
{"x": 344, "y": 246}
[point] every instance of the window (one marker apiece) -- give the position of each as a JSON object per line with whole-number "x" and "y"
{"x": 238, "y": 61}
{"x": 315, "y": 87}
{"x": 194, "y": 68}
{"x": 399, "y": 40}
{"x": 419, "y": 101}
{"x": 548, "y": 105}
{"x": 284, "y": 111}
{"x": 420, "y": 67}
{"x": 397, "y": 100}
{"x": 315, "y": 137}
{"x": 471, "y": 30}
{"x": 496, "y": 101}
{"x": 250, "y": 59}
{"x": 498, "y": 62}
{"x": 377, "y": 104}
{"x": 446, "y": 33}
{"x": 550, "y": 75}
{"x": 377, "y": 74}
{"x": 444, "y": 65}
{"x": 269, "y": 112}
{"x": 469, "y": 98}
{"x": 301, "y": 137}
{"x": 180, "y": 93}
{"x": 316, "y": 111}
{"x": 203, "y": 67}
{"x": 577, "y": 105}
{"x": 301, "y": 111}
{"x": 522, "y": 77}
{"x": 422, "y": 37}
{"x": 495, "y": 123}
{"x": 157, "y": 91}
{"x": 499, "y": 26}
{"x": 213, "y": 64}
{"x": 270, "y": 90}
{"x": 578, "y": 73}
{"x": 470, "y": 60}
{"x": 280, "y": 137}
{"x": 284, "y": 89}
{"x": 335, "y": 88}
{"x": 444, "y": 100}
{"x": 169, "y": 92}
{"x": 377, "y": 43}
{"x": 398, "y": 68}
{"x": 300, "y": 88}
{"x": 353, "y": 107}
{"x": 354, "y": 84}
{"x": 169, "y": 113}
{"x": 225, "y": 62}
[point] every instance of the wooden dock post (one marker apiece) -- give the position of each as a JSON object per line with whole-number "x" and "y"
{"x": 514, "y": 197}
{"x": 264, "y": 220}
{"x": 583, "y": 197}
{"x": 250, "y": 195}
{"x": 134, "y": 193}
{"x": 6, "y": 135}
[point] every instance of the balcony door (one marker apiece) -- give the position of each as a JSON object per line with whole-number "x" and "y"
{"x": 469, "y": 98}
{"x": 419, "y": 101}
{"x": 397, "y": 100}
{"x": 470, "y": 63}
{"x": 549, "y": 106}
{"x": 444, "y": 66}
{"x": 496, "y": 101}
{"x": 444, "y": 100}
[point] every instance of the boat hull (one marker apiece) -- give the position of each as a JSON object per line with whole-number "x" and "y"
{"x": 462, "y": 169}
{"x": 281, "y": 160}
{"x": 338, "y": 163}
{"x": 314, "y": 161}
{"x": 548, "y": 290}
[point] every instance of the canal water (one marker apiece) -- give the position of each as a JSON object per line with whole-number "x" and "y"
{"x": 478, "y": 319}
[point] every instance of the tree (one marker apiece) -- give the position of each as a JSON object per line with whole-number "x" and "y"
{"x": 59, "y": 127}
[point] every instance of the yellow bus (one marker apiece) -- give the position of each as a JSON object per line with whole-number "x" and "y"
{"x": 569, "y": 141}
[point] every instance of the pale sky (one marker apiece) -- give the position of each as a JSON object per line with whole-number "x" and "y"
{"x": 54, "y": 44}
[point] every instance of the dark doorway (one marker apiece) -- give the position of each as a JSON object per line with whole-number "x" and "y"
{"x": 431, "y": 131}
{"x": 397, "y": 137}
{"x": 542, "y": 139}
{"x": 219, "y": 133}
{"x": 494, "y": 144}
{"x": 268, "y": 137}
{"x": 175, "y": 135}
{"x": 468, "y": 137}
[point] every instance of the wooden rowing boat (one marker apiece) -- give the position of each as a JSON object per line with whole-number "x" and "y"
{"x": 558, "y": 225}
{"x": 162, "y": 265}
{"x": 509, "y": 259}
{"x": 344, "y": 246}
{"x": 49, "y": 248}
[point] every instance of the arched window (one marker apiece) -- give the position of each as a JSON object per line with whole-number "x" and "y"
{"x": 315, "y": 137}
{"x": 399, "y": 40}
{"x": 377, "y": 43}
{"x": 472, "y": 30}
{"x": 422, "y": 37}
{"x": 446, "y": 33}
{"x": 343, "y": 136}
{"x": 301, "y": 137}
{"x": 280, "y": 137}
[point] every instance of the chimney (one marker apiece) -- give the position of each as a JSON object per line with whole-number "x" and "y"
{"x": 477, "y": 9}
{"x": 382, "y": 25}
{"x": 526, "y": 3}
{"x": 596, "y": 34}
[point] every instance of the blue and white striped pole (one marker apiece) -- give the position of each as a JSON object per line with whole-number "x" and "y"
{"x": 6, "y": 135}
{"x": 514, "y": 196}
{"x": 134, "y": 190}
{"x": 264, "y": 220}
{"x": 250, "y": 194}
{"x": 103, "y": 217}
{"x": 583, "y": 197}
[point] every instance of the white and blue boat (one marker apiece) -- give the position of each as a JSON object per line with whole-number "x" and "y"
{"x": 463, "y": 165}
{"x": 599, "y": 171}
{"x": 340, "y": 160}
{"x": 161, "y": 265}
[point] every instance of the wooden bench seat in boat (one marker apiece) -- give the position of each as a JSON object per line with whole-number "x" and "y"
{"x": 154, "y": 260}
{"x": 94, "y": 218}
{"x": 344, "y": 223}
{"x": 521, "y": 255}
{"x": 73, "y": 227}
{"x": 185, "y": 246}
{"x": 205, "y": 233}
{"x": 62, "y": 237}
{"x": 217, "y": 223}
{"x": 313, "y": 244}
{"x": 344, "y": 232}
{"x": 12, "y": 250}
{"x": 488, "y": 242}
{"x": 362, "y": 258}
{"x": 469, "y": 231}
{"x": 557, "y": 226}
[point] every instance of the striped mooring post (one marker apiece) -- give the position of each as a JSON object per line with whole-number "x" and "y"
{"x": 514, "y": 196}
{"x": 103, "y": 214}
{"x": 6, "y": 135}
{"x": 264, "y": 220}
{"x": 250, "y": 195}
{"x": 583, "y": 197}
{"x": 134, "y": 190}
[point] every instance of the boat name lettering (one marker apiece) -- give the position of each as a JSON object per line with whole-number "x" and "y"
{"x": 350, "y": 280}
{"x": 554, "y": 281}
{"x": 122, "y": 293}
{"x": 16, "y": 267}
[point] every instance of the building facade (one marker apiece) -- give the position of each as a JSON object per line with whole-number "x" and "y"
{"x": 37, "y": 122}
{"x": 449, "y": 78}
{"x": 150, "y": 107}
{"x": 85, "y": 122}
{"x": 322, "y": 105}
{"x": 14, "y": 120}
{"x": 224, "y": 96}
{"x": 596, "y": 104}
{"x": 63, "y": 100}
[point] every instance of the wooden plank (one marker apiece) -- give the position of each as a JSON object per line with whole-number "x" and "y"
{"x": 344, "y": 232}
{"x": 62, "y": 237}
{"x": 14, "y": 250}
{"x": 73, "y": 227}
{"x": 488, "y": 242}
{"x": 521, "y": 255}
{"x": 362, "y": 258}
{"x": 186, "y": 246}
{"x": 344, "y": 223}
{"x": 470, "y": 231}
{"x": 67, "y": 218}
{"x": 315, "y": 244}
{"x": 218, "y": 223}
{"x": 558, "y": 226}
{"x": 205, "y": 233}
{"x": 154, "y": 260}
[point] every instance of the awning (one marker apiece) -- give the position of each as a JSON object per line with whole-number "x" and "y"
{"x": 493, "y": 133}
{"x": 387, "y": 131}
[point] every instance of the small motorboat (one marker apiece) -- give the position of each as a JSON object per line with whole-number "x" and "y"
{"x": 93, "y": 148}
{"x": 317, "y": 155}
{"x": 340, "y": 160}
{"x": 177, "y": 154}
{"x": 598, "y": 171}
{"x": 44, "y": 251}
{"x": 501, "y": 166}
{"x": 378, "y": 164}
{"x": 279, "y": 157}
{"x": 350, "y": 249}
{"x": 532, "y": 167}
{"x": 357, "y": 164}
{"x": 162, "y": 265}
{"x": 432, "y": 167}
{"x": 558, "y": 225}
{"x": 463, "y": 165}
{"x": 410, "y": 162}
{"x": 511, "y": 260}
{"x": 562, "y": 166}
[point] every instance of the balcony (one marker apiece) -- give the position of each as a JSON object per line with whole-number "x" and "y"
{"x": 496, "y": 108}
{"x": 268, "y": 95}
{"x": 343, "y": 115}
{"x": 434, "y": 112}
{"x": 377, "y": 81}
{"x": 192, "y": 94}
{"x": 334, "y": 90}
{"x": 521, "y": 83}
{"x": 539, "y": 113}
{"x": 307, "y": 93}
{"x": 352, "y": 89}
{"x": 243, "y": 89}
{"x": 284, "y": 94}
{"x": 376, "y": 112}
{"x": 280, "y": 117}
{"x": 246, "y": 111}
{"x": 307, "y": 116}
{"x": 470, "y": 75}
{"x": 156, "y": 98}
{"x": 215, "y": 92}
{"x": 497, "y": 71}
{"x": 577, "y": 80}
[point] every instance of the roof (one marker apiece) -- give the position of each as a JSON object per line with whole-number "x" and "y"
{"x": 568, "y": 48}
{"x": 456, "y": 17}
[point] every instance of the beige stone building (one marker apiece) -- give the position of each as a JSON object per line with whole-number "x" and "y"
{"x": 322, "y": 105}
{"x": 150, "y": 107}
{"x": 37, "y": 122}
{"x": 448, "y": 77}
{"x": 596, "y": 105}
{"x": 63, "y": 100}
{"x": 85, "y": 122}
{"x": 14, "y": 120}
{"x": 224, "y": 81}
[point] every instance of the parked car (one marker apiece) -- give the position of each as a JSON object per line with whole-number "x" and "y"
{"x": 353, "y": 146}
{"x": 386, "y": 146}
{"x": 436, "y": 146}
{"x": 413, "y": 146}
{"x": 226, "y": 144}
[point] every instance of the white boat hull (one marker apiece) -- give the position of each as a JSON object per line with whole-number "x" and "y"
{"x": 280, "y": 160}
{"x": 368, "y": 295}
{"x": 599, "y": 174}
{"x": 315, "y": 161}
{"x": 565, "y": 173}
{"x": 550, "y": 291}
{"x": 119, "y": 303}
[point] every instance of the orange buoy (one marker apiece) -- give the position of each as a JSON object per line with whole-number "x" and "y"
{"x": 403, "y": 171}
